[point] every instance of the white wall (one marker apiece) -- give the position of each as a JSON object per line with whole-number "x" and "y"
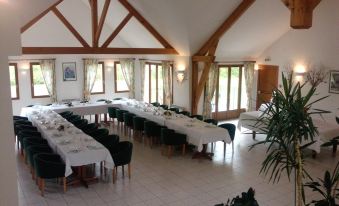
{"x": 73, "y": 89}
{"x": 10, "y": 44}
{"x": 317, "y": 45}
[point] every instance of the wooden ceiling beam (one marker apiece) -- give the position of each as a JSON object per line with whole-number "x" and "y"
{"x": 99, "y": 50}
{"x": 235, "y": 15}
{"x": 94, "y": 14}
{"x": 117, "y": 30}
{"x": 70, "y": 27}
{"x": 202, "y": 58}
{"x": 301, "y": 12}
{"x": 37, "y": 18}
{"x": 145, "y": 23}
{"x": 102, "y": 20}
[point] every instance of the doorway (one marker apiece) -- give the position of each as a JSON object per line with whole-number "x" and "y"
{"x": 267, "y": 82}
{"x": 230, "y": 96}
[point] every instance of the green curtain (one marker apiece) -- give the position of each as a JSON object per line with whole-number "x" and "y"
{"x": 48, "y": 73}
{"x": 210, "y": 88}
{"x": 90, "y": 73}
{"x": 127, "y": 68}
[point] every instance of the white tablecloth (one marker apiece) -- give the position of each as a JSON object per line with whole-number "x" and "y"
{"x": 198, "y": 132}
{"x": 74, "y": 146}
{"x": 327, "y": 130}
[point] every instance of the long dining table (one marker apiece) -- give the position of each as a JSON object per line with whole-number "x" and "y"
{"x": 198, "y": 133}
{"x": 74, "y": 146}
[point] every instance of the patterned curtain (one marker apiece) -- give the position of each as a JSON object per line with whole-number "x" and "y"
{"x": 210, "y": 87}
{"x": 48, "y": 73}
{"x": 167, "y": 82}
{"x": 249, "y": 76}
{"x": 142, "y": 75}
{"x": 90, "y": 73}
{"x": 127, "y": 68}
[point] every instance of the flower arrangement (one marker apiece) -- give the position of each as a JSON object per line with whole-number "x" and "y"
{"x": 317, "y": 75}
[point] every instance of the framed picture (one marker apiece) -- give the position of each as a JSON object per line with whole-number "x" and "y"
{"x": 69, "y": 71}
{"x": 334, "y": 82}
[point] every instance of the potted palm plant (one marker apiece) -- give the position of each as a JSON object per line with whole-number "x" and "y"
{"x": 289, "y": 129}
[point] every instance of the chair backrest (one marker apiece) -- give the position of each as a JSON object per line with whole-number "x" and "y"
{"x": 337, "y": 119}
{"x": 89, "y": 128}
{"x": 99, "y": 133}
{"x": 31, "y": 150}
{"x": 198, "y": 116}
{"x": 166, "y": 135}
{"x": 138, "y": 123}
{"x": 122, "y": 153}
{"x": 101, "y": 100}
{"x": 230, "y": 128}
{"x": 186, "y": 113}
{"x": 34, "y": 141}
{"x": 164, "y": 106}
{"x": 65, "y": 113}
{"x": 151, "y": 128}
{"x": 211, "y": 121}
{"x": 176, "y": 110}
{"x": 111, "y": 112}
{"x": 128, "y": 119}
{"x": 156, "y": 104}
{"x": 49, "y": 165}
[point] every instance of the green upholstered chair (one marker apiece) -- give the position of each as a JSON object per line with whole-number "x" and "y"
{"x": 186, "y": 113}
{"x": 128, "y": 119}
{"x": 99, "y": 133}
{"x": 174, "y": 109}
{"x": 170, "y": 138}
{"x": 29, "y": 141}
{"x": 89, "y": 128}
{"x": 122, "y": 155}
{"x": 231, "y": 128}
{"x": 16, "y": 117}
{"x": 211, "y": 121}
{"x": 31, "y": 151}
{"x": 24, "y": 134}
{"x": 152, "y": 132}
{"x": 164, "y": 106}
{"x": 198, "y": 116}
{"x": 156, "y": 104}
{"x": 81, "y": 123}
{"x": 112, "y": 113}
{"x": 138, "y": 126}
{"x": 49, "y": 166}
{"x": 65, "y": 114}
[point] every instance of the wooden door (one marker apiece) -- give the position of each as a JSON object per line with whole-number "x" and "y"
{"x": 267, "y": 81}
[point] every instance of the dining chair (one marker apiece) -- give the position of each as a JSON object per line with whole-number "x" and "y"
{"x": 170, "y": 138}
{"x": 33, "y": 150}
{"x": 120, "y": 117}
{"x": 211, "y": 121}
{"x": 174, "y": 109}
{"x": 111, "y": 113}
{"x": 164, "y": 106}
{"x": 152, "y": 132}
{"x": 156, "y": 104}
{"x": 138, "y": 127}
{"x": 49, "y": 166}
{"x": 81, "y": 123}
{"x": 29, "y": 141}
{"x": 16, "y": 117}
{"x": 99, "y": 133}
{"x": 186, "y": 113}
{"x": 66, "y": 114}
{"x": 128, "y": 119}
{"x": 24, "y": 134}
{"x": 231, "y": 128}
{"x": 122, "y": 155}
{"x": 198, "y": 116}
{"x": 89, "y": 128}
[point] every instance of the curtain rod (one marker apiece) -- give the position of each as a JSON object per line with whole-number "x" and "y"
{"x": 157, "y": 60}
{"x": 114, "y": 59}
{"x": 31, "y": 59}
{"x": 234, "y": 62}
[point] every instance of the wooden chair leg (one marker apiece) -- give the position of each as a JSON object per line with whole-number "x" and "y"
{"x": 65, "y": 184}
{"x": 123, "y": 171}
{"x": 114, "y": 174}
{"x": 42, "y": 186}
{"x": 129, "y": 171}
{"x": 183, "y": 149}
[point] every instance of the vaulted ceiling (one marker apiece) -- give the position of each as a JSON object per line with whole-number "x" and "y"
{"x": 185, "y": 24}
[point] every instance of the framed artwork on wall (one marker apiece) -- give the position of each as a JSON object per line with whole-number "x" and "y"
{"x": 69, "y": 71}
{"x": 334, "y": 82}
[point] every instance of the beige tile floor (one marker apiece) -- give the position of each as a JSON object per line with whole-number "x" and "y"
{"x": 181, "y": 180}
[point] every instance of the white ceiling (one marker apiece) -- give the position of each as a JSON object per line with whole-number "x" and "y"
{"x": 185, "y": 24}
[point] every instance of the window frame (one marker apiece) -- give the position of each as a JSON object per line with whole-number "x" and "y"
{"x": 115, "y": 79}
{"x": 103, "y": 79}
{"x": 150, "y": 80}
{"x": 16, "y": 80}
{"x": 32, "y": 81}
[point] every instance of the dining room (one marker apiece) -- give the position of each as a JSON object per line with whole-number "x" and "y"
{"x": 120, "y": 102}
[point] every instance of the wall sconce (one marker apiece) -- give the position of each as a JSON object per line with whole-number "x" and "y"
{"x": 181, "y": 76}
{"x": 299, "y": 72}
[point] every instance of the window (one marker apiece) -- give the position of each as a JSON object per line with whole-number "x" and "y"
{"x": 38, "y": 87}
{"x": 13, "y": 76}
{"x": 120, "y": 83}
{"x": 99, "y": 84}
{"x": 153, "y": 85}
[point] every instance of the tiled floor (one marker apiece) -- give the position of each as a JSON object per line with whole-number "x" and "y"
{"x": 157, "y": 180}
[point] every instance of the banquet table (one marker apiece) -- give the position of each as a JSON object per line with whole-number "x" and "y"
{"x": 198, "y": 132}
{"x": 74, "y": 146}
{"x": 326, "y": 130}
